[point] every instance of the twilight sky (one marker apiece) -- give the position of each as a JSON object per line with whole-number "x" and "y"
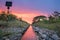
{"x": 27, "y": 9}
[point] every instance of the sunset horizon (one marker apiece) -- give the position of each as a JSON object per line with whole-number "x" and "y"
{"x": 29, "y": 19}
{"x": 26, "y": 15}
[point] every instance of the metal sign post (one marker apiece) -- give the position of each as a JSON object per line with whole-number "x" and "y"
{"x": 8, "y": 4}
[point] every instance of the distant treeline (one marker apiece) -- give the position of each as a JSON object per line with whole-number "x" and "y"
{"x": 51, "y": 22}
{"x": 10, "y": 20}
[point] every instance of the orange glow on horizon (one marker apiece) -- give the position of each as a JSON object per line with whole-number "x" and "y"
{"x": 27, "y": 15}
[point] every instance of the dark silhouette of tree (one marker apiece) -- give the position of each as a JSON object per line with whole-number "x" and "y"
{"x": 51, "y": 19}
{"x": 56, "y": 14}
{"x": 54, "y": 17}
{"x": 37, "y": 18}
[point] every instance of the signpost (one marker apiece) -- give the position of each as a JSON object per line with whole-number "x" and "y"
{"x": 8, "y": 4}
